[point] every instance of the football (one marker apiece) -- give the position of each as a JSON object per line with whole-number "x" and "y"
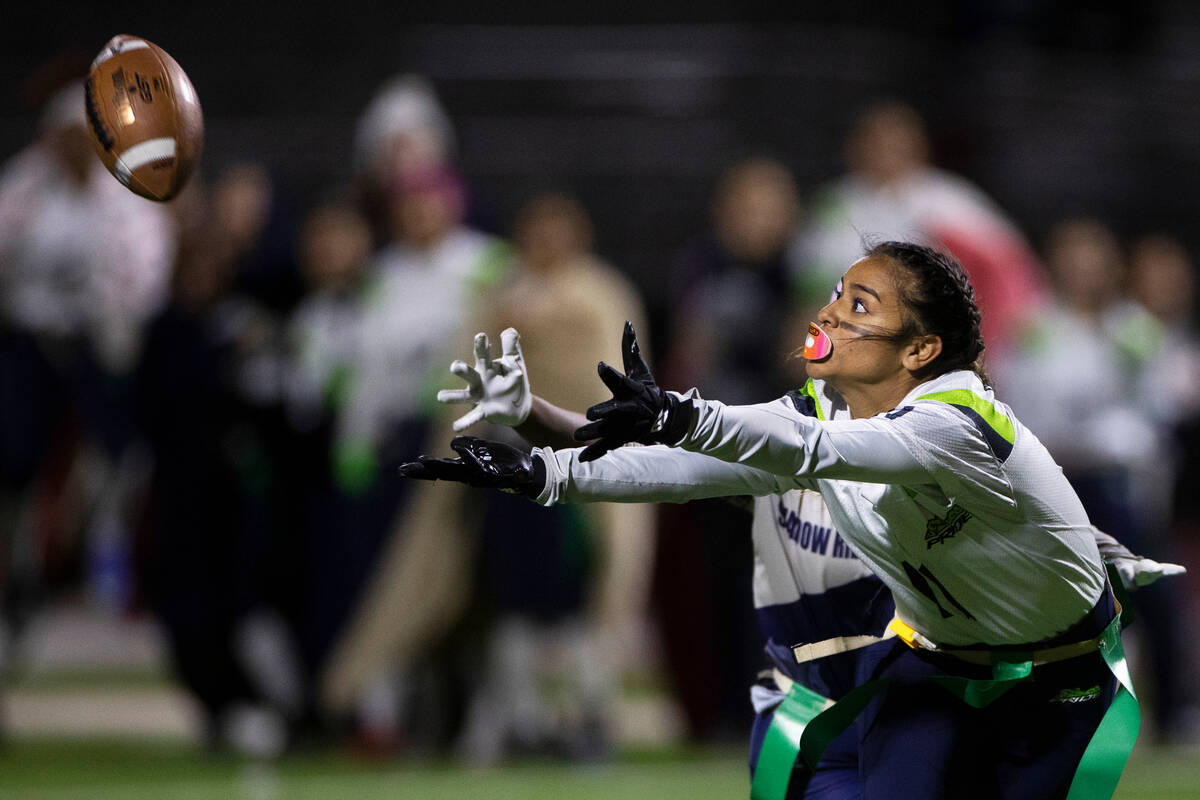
{"x": 144, "y": 117}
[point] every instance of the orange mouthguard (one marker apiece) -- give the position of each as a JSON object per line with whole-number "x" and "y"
{"x": 817, "y": 344}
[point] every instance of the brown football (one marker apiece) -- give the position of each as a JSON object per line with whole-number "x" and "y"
{"x": 144, "y": 117}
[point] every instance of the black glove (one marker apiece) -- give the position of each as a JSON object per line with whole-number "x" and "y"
{"x": 490, "y": 465}
{"x": 636, "y": 406}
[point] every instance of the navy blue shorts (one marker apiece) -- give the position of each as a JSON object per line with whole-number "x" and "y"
{"x": 838, "y": 776}
{"x": 917, "y": 741}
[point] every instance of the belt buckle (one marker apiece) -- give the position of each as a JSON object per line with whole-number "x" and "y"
{"x": 910, "y": 636}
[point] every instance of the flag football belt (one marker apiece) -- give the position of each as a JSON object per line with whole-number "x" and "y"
{"x": 806, "y": 722}
{"x": 985, "y": 658}
{"x": 838, "y": 644}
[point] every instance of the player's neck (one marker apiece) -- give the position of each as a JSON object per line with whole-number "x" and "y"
{"x": 867, "y": 400}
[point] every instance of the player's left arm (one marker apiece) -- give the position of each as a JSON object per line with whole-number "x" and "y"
{"x": 1134, "y": 570}
{"x": 771, "y": 437}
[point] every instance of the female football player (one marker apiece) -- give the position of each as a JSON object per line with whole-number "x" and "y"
{"x": 957, "y": 508}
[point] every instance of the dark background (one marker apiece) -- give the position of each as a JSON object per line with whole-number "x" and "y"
{"x": 1054, "y": 108}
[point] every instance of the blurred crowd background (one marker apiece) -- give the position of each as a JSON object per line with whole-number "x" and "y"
{"x": 204, "y": 402}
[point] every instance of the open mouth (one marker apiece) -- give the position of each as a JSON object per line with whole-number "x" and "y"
{"x": 817, "y": 345}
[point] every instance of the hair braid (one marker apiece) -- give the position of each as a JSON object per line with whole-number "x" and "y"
{"x": 940, "y": 301}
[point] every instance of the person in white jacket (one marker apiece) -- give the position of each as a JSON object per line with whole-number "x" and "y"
{"x": 951, "y": 501}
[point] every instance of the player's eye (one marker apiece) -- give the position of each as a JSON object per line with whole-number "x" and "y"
{"x": 837, "y": 292}
{"x": 857, "y": 305}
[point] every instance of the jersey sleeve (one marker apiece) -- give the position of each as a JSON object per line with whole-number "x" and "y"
{"x": 926, "y": 443}
{"x": 654, "y": 474}
{"x": 776, "y": 438}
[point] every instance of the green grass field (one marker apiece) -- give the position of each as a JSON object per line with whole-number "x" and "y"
{"x": 90, "y": 770}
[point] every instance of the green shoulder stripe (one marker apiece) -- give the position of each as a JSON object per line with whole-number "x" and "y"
{"x": 810, "y": 390}
{"x": 987, "y": 412}
{"x": 996, "y": 428}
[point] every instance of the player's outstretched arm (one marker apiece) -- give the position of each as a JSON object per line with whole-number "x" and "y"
{"x": 629, "y": 475}
{"x": 1134, "y": 570}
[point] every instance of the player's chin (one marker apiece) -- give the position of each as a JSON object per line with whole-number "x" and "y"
{"x": 819, "y": 368}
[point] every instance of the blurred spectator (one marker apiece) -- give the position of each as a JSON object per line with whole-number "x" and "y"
{"x": 734, "y": 288}
{"x": 1163, "y": 280}
{"x": 425, "y": 281}
{"x": 727, "y": 337}
{"x": 1072, "y": 356}
{"x": 335, "y": 244}
{"x": 566, "y": 591}
{"x": 83, "y": 263}
{"x": 403, "y": 129}
{"x": 256, "y": 231}
{"x": 83, "y": 256}
{"x": 892, "y": 192}
{"x": 209, "y": 392}
{"x": 325, "y": 345}
{"x": 1080, "y": 380}
{"x": 428, "y": 274}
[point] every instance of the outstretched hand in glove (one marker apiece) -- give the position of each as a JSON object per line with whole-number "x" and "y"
{"x": 1138, "y": 571}
{"x": 498, "y": 388}
{"x": 639, "y": 411}
{"x": 491, "y": 465}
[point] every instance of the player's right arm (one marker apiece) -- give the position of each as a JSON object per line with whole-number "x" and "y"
{"x": 628, "y": 475}
{"x": 500, "y": 394}
{"x": 652, "y": 474}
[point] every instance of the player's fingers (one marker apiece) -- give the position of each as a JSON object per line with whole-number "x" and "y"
{"x": 427, "y": 468}
{"x": 615, "y": 381}
{"x": 455, "y": 396}
{"x": 605, "y": 409}
{"x": 597, "y": 449}
{"x": 505, "y": 382}
{"x": 610, "y": 427}
{"x": 462, "y": 444}
{"x": 415, "y": 469}
{"x": 587, "y": 433}
{"x": 510, "y": 343}
{"x": 483, "y": 353}
{"x": 1148, "y": 571}
{"x": 469, "y": 374}
{"x": 468, "y": 419}
{"x": 631, "y": 355}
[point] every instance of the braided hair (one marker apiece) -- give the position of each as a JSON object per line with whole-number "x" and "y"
{"x": 940, "y": 301}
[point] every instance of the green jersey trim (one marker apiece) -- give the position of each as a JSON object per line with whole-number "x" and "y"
{"x": 810, "y": 390}
{"x": 996, "y": 428}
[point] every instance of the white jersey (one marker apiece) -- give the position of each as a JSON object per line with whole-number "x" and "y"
{"x": 948, "y": 498}
{"x": 809, "y": 584}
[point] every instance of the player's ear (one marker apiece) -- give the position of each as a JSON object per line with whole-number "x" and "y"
{"x": 921, "y": 351}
